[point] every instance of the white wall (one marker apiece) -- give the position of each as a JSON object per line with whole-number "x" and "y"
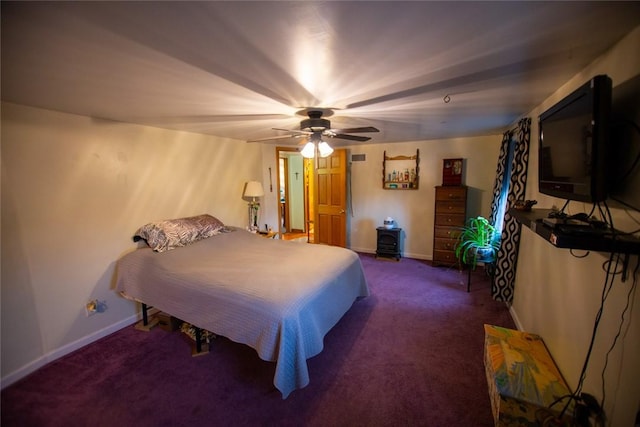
{"x": 557, "y": 295}
{"x": 74, "y": 190}
{"x": 412, "y": 209}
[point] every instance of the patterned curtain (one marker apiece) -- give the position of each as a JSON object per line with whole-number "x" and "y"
{"x": 505, "y": 267}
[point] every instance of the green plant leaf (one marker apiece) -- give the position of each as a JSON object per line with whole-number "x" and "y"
{"x": 479, "y": 233}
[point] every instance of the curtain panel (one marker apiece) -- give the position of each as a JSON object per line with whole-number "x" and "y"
{"x": 506, "y": 261}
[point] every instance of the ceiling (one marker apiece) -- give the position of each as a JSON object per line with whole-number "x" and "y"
{"x": 415, "y": 70}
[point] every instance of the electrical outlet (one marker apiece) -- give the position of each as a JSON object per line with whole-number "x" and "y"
{"x": 95, "y": 306}
{"x": 91, "y": 307}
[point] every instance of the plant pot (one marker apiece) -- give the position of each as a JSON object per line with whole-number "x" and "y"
{"x": 485, "y": 255}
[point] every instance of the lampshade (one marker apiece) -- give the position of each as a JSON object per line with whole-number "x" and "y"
{"x": 309, "y": 150}
{"x": 325, "y": 149}
{"x": 253, "y": 189}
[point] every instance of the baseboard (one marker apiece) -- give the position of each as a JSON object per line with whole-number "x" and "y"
{"x": 363, "y": 250}
{"x": 64, "y": 350}
{"x": 417, "y": 256}
{"x": 514, "y": 316}
{"x": 404, "y": 255}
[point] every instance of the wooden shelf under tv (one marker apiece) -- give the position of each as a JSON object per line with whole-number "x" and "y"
{"x": 613, "y": 241}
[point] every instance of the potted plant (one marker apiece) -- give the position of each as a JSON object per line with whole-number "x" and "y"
{"x": 478, "y": 242}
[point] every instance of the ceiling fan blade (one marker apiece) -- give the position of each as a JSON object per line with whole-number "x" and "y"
{"x": 295, "y": 132}
{"x": 351, "y": 137}
{"x": 272, "y": 138}
{"x": 356, "y": 130}
{"x": 291, "y": 134}
{"x": 215, "y": 118}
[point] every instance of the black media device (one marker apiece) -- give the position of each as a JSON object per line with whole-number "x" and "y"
{"x": 575, "y": 148}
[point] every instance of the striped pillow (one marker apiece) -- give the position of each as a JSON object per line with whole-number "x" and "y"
{"x": 173, "y": 233}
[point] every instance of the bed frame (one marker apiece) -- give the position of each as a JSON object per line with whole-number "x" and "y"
{"x": 148, "y": 324}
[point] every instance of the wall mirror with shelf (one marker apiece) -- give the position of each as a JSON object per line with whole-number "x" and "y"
{"x": 401, "y": 172}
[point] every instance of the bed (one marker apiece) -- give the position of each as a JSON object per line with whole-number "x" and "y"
{"x": 278, "y": 297}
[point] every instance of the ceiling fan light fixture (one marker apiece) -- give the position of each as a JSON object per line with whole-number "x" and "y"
{"x": 309, "y": 150}
{"x": 315, "y": 127}
{"x": 325, "y": 149}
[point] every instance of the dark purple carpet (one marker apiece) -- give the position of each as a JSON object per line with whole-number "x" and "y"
{"x": 410, "y": 354}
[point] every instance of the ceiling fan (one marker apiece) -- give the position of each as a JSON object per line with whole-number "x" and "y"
{"x": 316, "y": 127}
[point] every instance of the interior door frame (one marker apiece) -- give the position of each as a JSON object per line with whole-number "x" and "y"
{"x": 280, "y": 149}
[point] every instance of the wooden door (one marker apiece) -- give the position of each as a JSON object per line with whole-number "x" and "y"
{"x": 331, "y": 199}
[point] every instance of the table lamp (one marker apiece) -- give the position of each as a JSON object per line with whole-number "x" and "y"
{"x": 253, "y": 190}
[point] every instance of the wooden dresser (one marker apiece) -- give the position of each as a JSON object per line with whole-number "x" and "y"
{"x": 450, "y": 216}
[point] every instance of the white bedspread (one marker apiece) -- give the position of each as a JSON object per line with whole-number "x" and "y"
{"x": 278, "y": 297}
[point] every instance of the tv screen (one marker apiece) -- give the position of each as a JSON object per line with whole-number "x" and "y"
{"x": 625, "y": 125}
{"x": 574, "y": 139}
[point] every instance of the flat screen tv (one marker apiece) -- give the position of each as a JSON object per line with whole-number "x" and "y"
{"x": 574, "y": 144}
{"x": 625, "y": 131}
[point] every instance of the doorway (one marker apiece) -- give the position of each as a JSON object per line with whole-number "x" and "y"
{"x": 295, "y": 195}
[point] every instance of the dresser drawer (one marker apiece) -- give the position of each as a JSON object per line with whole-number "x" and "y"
{"x": 451, "y": 206}
{"x": 451, "y": 193}
{"x": 450, "y": 219}
{"x": 445, "y": 244}
{"x": 447, "y": 232}
{"x": 444, "y": 257}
